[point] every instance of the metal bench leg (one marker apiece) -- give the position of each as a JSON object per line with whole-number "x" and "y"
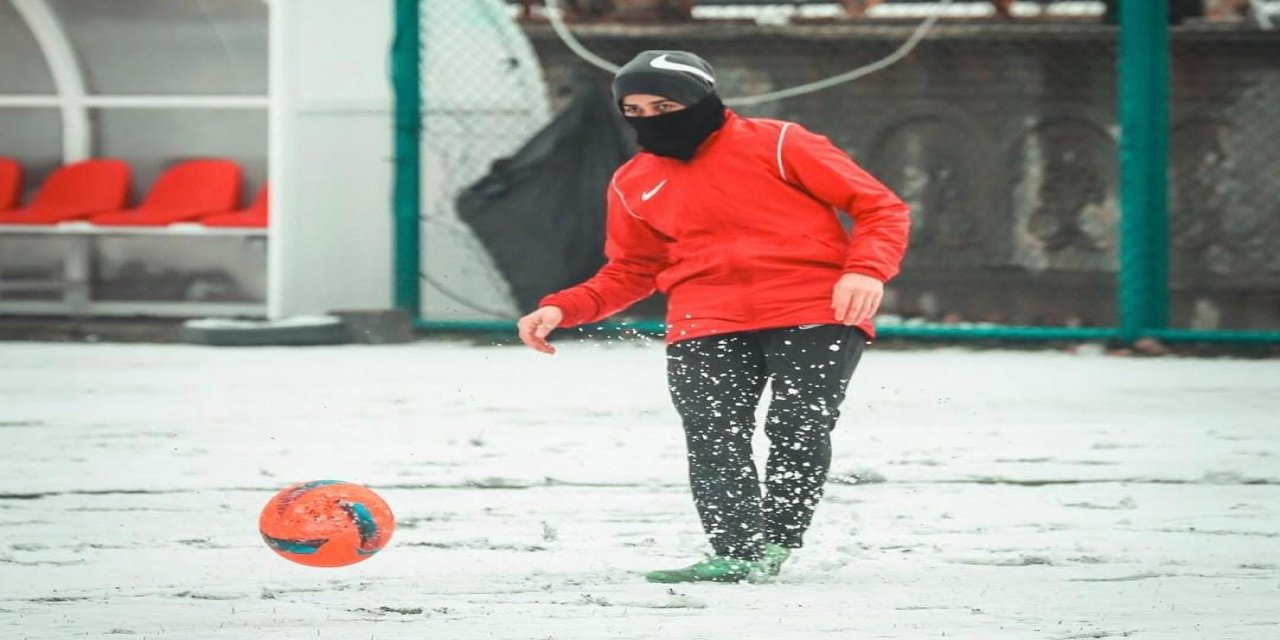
{"x": 78, "y": 275}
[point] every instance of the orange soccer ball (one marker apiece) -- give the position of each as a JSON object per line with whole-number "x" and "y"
{"x": 326, "y": 523}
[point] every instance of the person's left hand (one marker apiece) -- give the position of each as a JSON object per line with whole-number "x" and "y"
{"x": 856, "y": 298}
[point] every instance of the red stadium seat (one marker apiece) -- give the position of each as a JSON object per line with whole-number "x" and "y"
{"x": 184, "y": 192}
{"x": 254, "y": 216}
{"x": 75, "y": 192}
{"x": 10, "y": 183}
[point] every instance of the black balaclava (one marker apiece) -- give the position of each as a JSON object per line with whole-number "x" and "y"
{"x": 680, "y": 76}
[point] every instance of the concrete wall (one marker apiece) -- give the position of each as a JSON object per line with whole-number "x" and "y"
{"x": 1003, "y": 138}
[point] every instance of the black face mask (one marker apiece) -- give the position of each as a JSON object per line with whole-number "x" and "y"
{"x": 679, "y": 134}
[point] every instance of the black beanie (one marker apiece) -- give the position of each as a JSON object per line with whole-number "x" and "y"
{"x": 678, "y": 75}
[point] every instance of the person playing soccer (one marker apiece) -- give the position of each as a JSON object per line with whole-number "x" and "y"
{"x": 735, "y": 220}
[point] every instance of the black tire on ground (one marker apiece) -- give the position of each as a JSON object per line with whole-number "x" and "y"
{"x": 234, "y": 333}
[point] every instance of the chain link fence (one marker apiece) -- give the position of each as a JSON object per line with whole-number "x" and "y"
{"x": 1224, "y": 179}
{"x": 999, "y": 127}
{"x": 482, "y": 96}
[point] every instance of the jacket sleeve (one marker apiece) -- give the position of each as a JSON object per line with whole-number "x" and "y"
{"x": 635, "y": 255}
{"x": 881, "y": 220}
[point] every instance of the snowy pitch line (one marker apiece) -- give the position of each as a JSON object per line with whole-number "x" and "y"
{"x": 486, "y": 486}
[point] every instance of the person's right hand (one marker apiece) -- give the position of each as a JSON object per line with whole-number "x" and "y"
{"x": 535, "y": 327}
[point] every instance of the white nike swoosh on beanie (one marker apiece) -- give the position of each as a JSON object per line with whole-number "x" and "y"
{"x": 661, "y": 62}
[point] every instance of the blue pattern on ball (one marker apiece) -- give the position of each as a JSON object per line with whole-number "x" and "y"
{"x": 365, "y": 525}
{"x": 300, "y": 547}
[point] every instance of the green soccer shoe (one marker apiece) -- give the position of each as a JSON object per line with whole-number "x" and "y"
{"x": 774, "y": 556}
{"x": 713, "y": 569}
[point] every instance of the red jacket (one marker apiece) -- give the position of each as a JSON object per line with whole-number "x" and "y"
{"x": 743, "y": 237}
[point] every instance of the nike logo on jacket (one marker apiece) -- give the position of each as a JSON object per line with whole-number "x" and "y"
{"x": 653, "y": 192}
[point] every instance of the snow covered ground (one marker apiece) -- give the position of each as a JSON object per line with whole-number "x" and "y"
{"x": 976, "y": 494}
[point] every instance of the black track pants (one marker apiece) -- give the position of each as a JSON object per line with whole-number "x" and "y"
{"x": 716, "y": 384}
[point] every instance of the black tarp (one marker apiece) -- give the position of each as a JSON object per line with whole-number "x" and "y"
{"x": 540, "y": 213}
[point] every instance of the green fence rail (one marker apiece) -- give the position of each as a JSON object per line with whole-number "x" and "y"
{"x": 406, "y": 79}
{"x": 940, "y": 332}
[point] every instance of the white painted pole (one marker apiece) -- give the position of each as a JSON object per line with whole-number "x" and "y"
{"x": 29, "y": 102}
{"x": 278, "y": 118}
{"x": 68, "y": 78}
{"x": 140, "y": 102}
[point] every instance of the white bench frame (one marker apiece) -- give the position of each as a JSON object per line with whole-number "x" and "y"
{"x": 77, "y": 281}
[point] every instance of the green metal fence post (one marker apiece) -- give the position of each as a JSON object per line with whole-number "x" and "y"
{"x": 1143, "y": 92}
{"x": 406, "y": 57}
